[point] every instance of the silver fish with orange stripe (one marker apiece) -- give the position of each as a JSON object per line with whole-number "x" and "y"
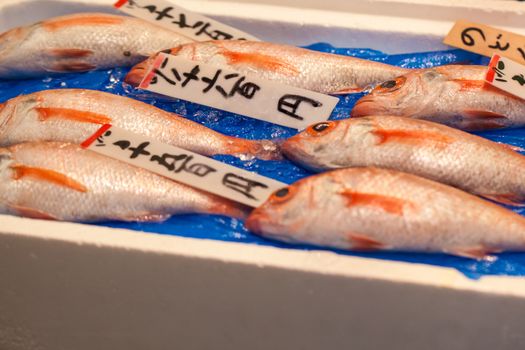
{"x": 379, "y": 209}
{"x": 307, "y": 69}
{"x": 456, "y": 96}
{"x": 72, "y": 115}
{"x": 419, "y": 147}
{"x": 61, "y": 181}
{"x": 79, "y": 43}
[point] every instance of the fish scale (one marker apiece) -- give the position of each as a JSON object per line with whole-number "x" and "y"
{"x": 54, "y": 174}
{"x": 371, "y": 209}
{"x": 307, "y": 69}
{"x": 107, "y": 40}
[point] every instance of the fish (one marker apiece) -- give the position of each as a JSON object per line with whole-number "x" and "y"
{"x": 434, "y": 151}
{"x": 73, "y": 115}
{"x": 79, "y": 43}
{"x": 370, "y": 209}
{"x": 454, "y": 95}
{"x": 63, "y": 181}
{"x": 290, "y": 65}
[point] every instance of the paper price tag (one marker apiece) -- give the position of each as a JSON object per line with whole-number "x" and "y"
{"x": 226, "y": 89}
{"x": 183, "y": 166}
{"x": 180, "y": 20}
{"x": 486, "y": 40}
{"x": 507, "y": 75}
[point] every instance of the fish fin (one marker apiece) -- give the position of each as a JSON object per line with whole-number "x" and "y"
{"x": 261, "y": 61}
{"x": 478, "y": 125}
{"x": 30, "y": 212}
{"x": 477, "y": 252}
{"x": 361, "y": 242}
{"x": 21, "y": 171}
{"x": 69, "y": 53}
{"x": 506, "y": 198}
{"x": 419, "y": 137}
{"x": 46, "y": 113}
{"x": 512, "y": 147}
{"x": 146, "y": 217}
{"x": 388, "y": 204}
{"x": 68, "y": 67}
{"x": 470, "y": 85}
{"x": 474, "y": 113}
{"x": 81, "y": 20}
{"x": 347, "y": 91}
{"x": 262, "y": 149}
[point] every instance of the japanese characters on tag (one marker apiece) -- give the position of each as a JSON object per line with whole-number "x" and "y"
{"x": 226, "y": 89}
{"x": 486, "y": 40}
{"x": 180, "y": 20}
{"x": 507, "y": 75}
{"x": 183, "y": 166}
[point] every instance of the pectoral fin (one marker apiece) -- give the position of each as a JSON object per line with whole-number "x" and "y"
{"x": 21, "y": 171}
{"x": 476, "y": 252}
{"x": 30, "y": 212}
{"x": 69, "y": 53}
{"x": 260, "y": 61}
{"x": 69, "y": 67}
{"x": 72, "y": 114}
{"x": 362, "y": 242}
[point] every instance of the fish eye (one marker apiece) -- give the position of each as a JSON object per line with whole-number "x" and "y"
{"x": 320, "y": 128}
{"x": 282, "y": 195}
{"x": 390, "y": 85}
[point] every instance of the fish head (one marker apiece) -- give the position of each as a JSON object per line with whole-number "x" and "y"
{"x": 137, "y": 73}
{"x": 7, "y": 112}
{"x": 10, "y": 42}
{"x": 408, "y": 94}
{"x": 313, "y": 148}
{"x": 282, "y": 216}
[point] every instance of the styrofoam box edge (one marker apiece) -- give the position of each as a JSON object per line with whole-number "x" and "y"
{"x": 316, "y": 262}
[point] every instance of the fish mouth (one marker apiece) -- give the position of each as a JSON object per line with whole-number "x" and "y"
{"x": 136, "y": 75}
{"x": 254, "y": 221}
{"x": 365, "y": 107}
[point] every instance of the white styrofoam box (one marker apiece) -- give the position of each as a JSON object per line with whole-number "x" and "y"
{"x": 71, "y": 286}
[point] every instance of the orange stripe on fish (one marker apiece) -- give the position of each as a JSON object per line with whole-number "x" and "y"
{"x": 470, "y": 85}
{"x": 72, "y": 114}
{"x": 259, "y": 60}
{"x": 418, "y": 137}
{"x": 69, "y": 53}
{"x": 389, "y": 204}
{"x": 21, "y": 171}
{"x": 86, "y": 20}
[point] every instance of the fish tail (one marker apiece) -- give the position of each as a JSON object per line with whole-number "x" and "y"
{"x": 229, "y": 208}
{"x": 262, "y": 149}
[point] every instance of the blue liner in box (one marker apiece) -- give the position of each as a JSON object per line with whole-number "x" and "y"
{"x": 227, "y": 229}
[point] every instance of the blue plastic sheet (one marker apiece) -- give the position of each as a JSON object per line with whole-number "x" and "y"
{"x": 226, "y": 229}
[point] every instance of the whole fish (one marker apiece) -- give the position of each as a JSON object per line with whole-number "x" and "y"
{"x": 81, "y": 42}
{"x": 72, "y": 115}
{"x": 308, "y": 69}
{"x": 419, "y": 147}
{"x": 372, "y": 208}
{"x": 453, "y": 95}
{"x": 62, "y": 181}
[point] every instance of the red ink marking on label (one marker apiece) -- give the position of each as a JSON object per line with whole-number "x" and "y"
{"x": 96, "y": 135}
{"x": 490, "y": 72}
{"x": 120, "y": 3}
{"x": 147, "y": 79}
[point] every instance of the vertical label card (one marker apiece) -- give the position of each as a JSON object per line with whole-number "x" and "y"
{"x": 486, "y": 40}
{"x": 180, "y": 20}
{"x": 229, "y": 90}
{"x": 183, "y": 166}
{"x": 507, "y": 75}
